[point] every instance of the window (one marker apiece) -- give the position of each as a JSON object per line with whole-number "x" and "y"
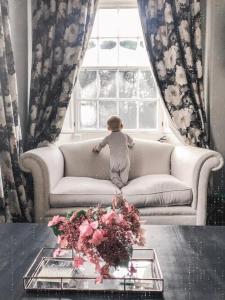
{"x": 115, "y": 77}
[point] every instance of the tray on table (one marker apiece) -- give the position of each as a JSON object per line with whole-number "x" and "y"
{"x": 48, "y": 273}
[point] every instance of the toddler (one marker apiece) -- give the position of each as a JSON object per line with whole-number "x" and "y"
{"x": 119, "y": 144}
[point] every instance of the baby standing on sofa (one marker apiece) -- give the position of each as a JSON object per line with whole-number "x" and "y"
{"x": 119, "y": 144}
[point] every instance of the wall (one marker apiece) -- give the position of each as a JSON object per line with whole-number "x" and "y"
{"x": 19, "y": 30}
{"x": 215, "y": 43}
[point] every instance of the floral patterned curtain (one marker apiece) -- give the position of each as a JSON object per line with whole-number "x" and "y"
{"x": 13, "y": 203}
{"x": 61, "y": 30}
{"x": 172, "y": 30}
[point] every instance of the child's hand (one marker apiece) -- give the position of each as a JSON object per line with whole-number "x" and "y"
{"x": 95, "y": 150}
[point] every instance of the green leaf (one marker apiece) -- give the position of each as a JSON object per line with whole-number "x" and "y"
{"x": 69, "y": 215}
{"x": 56, "y": 230}
{"x": 81, "y": 213}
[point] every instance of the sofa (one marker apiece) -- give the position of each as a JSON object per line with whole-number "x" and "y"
{"x": 167, "y": 183}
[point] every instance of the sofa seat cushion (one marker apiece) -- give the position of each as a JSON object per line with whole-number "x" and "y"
{"x": 157, "y": 190}
{"x": 83, "y": 192}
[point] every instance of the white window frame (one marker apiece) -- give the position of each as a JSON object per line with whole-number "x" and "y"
{"x": 73, "y": 109}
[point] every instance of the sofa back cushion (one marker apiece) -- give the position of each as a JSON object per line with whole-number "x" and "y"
{"x": 147, "y": 157}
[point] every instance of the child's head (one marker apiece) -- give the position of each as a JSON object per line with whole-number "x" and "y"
{"x": 114, "y": 123}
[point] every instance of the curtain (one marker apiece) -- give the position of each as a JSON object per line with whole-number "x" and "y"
{"x": 172, "y": 30}
{"x": 61, "y": 30}
{"x": 13, "y": 203}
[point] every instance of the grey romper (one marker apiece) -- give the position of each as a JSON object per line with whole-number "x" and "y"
{"x": 119, "y": 144}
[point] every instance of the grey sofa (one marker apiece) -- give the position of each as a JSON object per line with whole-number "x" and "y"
{"x": 167, "y": 183}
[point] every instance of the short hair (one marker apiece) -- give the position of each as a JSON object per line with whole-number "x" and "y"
{"x": 114, "y": 123}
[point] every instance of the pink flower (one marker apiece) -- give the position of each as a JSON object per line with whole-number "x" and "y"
{"x": 98, "y": 237}
{"x": 73, "y": 217}
{"x": 85, "y": 229}
{"x": 62, "y": 241}
{"x": 104, "y": 273}
{"x": 78, "y": 261}
{"x": 109, "y": 217}
{"x": 56, "y": 220}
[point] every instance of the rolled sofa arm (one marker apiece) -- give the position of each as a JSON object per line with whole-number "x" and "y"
{"x": 47, "y": 167}
{"x": 193, "y": 166}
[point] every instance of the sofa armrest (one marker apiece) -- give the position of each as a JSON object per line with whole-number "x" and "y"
{"x": 193, "y": 166}
{"x": 47, "y": 167}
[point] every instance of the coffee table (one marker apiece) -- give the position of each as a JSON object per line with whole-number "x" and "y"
{"x": 192, "y": 260}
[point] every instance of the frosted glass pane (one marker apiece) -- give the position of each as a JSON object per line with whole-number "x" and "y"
{"x": 129, "y": 23}
{"x": 106, "y": 109}
{"x": 88, "y": 84}
{"x": 142, "y": 55}
{"x": 128, "y": 114}
{"x": 108, "y": 23}
{"x": 108, "y": 52}
{"x": 107, "y": 84}
{"x": 127, "y": 84}
{"x": 148, "y": 115}
{"x": 91, "y": 55}
{"x": 88, "y": 114}
{"x": 94, "y": 32}
{"x": 147, "y": 87}
{"x": 128, "y": 52}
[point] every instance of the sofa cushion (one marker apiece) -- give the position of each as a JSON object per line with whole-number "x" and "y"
{"x": 157, "y": 190}
{"x": 147, "y": 157}
{"x": 82, "y": 191}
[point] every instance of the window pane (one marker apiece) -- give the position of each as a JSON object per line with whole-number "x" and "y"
{"x": 128, "y": 52}
{"x": 88, "y": 84}
{"x": 129, "y": 23}
{"x": 148, "y": 115}
{"x": 107, "y": 84}
{"x": 128, "y": 114}
{"x": 142, "y": 56}
{"x": 91, "y": 55}
{"x": 88, "y": 114}
{"x": 147, "y": 88}
{"x": 108, "y": 21}
{"x": 127, "y": 84}
{"x": 108, "y": 52}
{"x": 106, "y": 109}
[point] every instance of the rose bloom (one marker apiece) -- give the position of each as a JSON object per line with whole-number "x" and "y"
{"x": 56, "y": 220}
{"x": 98, "y": 237}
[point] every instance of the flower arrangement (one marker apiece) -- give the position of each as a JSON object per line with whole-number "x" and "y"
{"x": 102, "y": 236}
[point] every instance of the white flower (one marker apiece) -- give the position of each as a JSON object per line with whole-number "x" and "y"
{"x": 71, "y": 55}
{"x": 162, "y": 35}
{"x": 2, "y": 113}
{"x": 195, "y": 8}
{"x": 161, "y": 69}
{"x": 45, "y": 67}
{"x": 61, "y": 112}
{"x": 38, "y": 68}
{"x": 62, "y": 9}
{"x": 199, "y": 68}
{"x": 181, "y": 78}
{"x": 58, "y": 54}
{"x": 168, "y": 13}
{"x": 182, "y": 118}
{"x": 188, "y": 56}
{"x": 53, "y": 6}
{"x": 2, "y": 47}
{"x": 184, "y": 30}
{"x": 71, "y": 33}
{"x": 198, "y": 38}
{"x": 170, "y": 57}
{"x": 32, "y": 129}
{"x": 33, "y": 112}
{"x": 172, "y": 94}
{"x": 39, "y": 51}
